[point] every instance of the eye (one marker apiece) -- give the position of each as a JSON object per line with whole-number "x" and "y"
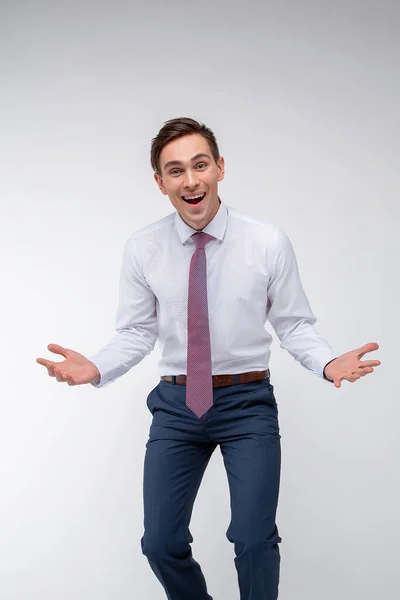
{"x": 200, "y": 164}
{"x": 174, "y": 171}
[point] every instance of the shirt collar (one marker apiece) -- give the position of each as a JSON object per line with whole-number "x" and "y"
{"x": 216, "y": 227}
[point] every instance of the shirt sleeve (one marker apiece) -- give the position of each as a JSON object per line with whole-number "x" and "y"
{"x": 136, "y": 322}
{"x": 290, "y": 314}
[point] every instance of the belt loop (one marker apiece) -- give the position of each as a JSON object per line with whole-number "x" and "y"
{"x": 236, "y": 376}
{"x": 174, "y": 379}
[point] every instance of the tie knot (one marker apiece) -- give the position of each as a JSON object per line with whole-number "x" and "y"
{"x": 200, "y": 239}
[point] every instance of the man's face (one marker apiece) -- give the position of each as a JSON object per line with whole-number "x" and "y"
{"x": 188, "y": 169}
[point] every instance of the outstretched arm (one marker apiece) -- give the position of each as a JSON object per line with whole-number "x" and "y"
{"x": 291, "y": 316}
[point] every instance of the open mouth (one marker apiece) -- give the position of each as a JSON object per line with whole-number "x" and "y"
{"x": 194, "y": 199}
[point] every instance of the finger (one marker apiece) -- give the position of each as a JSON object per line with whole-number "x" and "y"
{"x": 59, "y": 375}
{"x": 44, "y": 362}
{"x": 370, "y": 347}
{"x": 58, "y": 349}
{"x": 351, "y": 377}
{"x": 365, "y": 372}
{"x": 48, "y": 364}
{"x": 370, "y": 363}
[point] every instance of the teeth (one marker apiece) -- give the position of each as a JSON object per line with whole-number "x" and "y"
{"x": 193, "y": 197}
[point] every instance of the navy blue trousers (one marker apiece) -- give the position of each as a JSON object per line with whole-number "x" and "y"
{"x": 244, "y": 423}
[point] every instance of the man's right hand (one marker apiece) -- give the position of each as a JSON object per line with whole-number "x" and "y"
{"x": 76, "y": 369}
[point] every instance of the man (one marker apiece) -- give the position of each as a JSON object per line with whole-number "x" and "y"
{"x": 203, "y": 281}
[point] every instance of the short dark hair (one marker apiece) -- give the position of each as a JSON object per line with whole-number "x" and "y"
{"x": 176, "y": 128}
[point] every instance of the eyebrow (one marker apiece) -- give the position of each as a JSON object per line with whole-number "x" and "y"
{"x": 179, "y": 162}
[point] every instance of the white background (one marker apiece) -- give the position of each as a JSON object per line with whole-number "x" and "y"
{"x": 304, "y": 101}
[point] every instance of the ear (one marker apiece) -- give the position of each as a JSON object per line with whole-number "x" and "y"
{"x": 221, "y": 168}
{"x": 160, "y": 183}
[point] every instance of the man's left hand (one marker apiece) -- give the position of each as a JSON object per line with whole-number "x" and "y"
{"x": 349, "y": 366}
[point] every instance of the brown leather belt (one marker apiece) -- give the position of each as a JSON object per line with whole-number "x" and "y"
{"x": 221, "y": 380}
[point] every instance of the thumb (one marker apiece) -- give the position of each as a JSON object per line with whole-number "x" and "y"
{"x": 58, "y": 349}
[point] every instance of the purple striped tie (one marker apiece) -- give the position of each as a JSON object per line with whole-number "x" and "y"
{"x": 199, "y": 388}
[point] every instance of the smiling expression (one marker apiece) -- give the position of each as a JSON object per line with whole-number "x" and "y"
{"x": 188, "y": 169}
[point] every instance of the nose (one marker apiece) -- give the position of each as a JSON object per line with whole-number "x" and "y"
{"x": 191, "y": 180}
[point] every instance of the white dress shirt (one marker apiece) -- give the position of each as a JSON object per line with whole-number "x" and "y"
{"x": 252, "y": 277}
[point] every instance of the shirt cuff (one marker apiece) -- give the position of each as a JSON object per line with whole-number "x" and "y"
{"x": 326, "y": 378}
